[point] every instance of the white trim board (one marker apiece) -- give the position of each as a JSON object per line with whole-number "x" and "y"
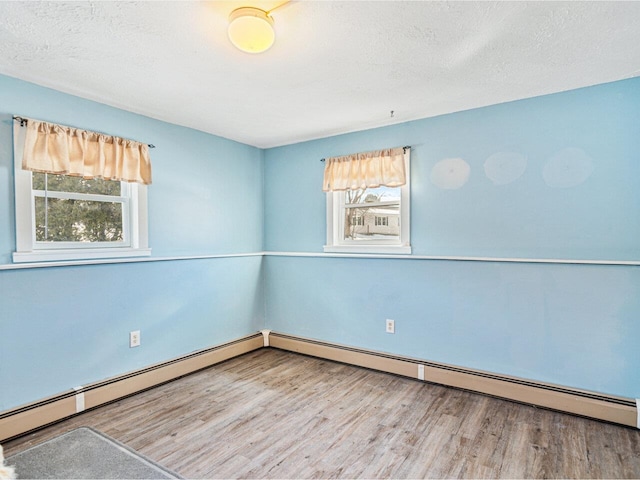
{"x": 453, "y": 258}
{"x": 18, "y": 266}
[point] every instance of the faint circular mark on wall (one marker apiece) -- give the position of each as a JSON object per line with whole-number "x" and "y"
{"x": 567, "y": 168}
{"x": 450, "y": 173}
{"x": 505, "y": 167}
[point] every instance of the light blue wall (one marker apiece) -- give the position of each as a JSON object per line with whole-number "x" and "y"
{"x": 201, "y": 183}
{"x": 568, "y": 324}
{"x": 525, "y": 218}
{"x": 64, "y": 327}
{"x": 69, "y": 326}
{"x": 578, "y": 198}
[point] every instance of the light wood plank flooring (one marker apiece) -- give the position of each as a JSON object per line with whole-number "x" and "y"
{"x": 275, "y": 414}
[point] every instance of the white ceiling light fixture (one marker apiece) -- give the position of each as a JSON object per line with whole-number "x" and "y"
{"x": 251, "y": 30}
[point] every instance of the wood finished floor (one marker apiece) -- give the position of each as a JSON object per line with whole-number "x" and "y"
{"x": 275, "y": 414}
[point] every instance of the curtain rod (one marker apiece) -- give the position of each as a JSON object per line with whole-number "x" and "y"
{"x": 405, "y": 148}
{"x": 23, "y": 121}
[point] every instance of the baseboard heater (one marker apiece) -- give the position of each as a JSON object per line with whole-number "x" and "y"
{"x": 620, "y": 410}
{"x": 18, "y": 421}
{"x": 35, "y": 415}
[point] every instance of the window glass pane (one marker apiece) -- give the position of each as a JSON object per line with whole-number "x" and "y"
{"x": 60, "y": 220}
{"x": 372, "y": 223}
{"x": 66, "y": 183}
{"x": 370, "y": 195}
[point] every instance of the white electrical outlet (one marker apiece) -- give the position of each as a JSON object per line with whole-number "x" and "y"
{"x": 391, "y": 326}
{"x": 134, "y": 339}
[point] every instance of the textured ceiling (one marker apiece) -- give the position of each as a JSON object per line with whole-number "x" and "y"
{"x": 336, "y": 66}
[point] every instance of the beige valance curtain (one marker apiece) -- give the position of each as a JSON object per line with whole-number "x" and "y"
{"x": 365, "y": 170}
{"x": 58, "y": 149}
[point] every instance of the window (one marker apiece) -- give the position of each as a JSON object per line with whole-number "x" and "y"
{"x": 370, "y": 220}
{"x": 382, "y": 221}
{"x": 64, "y": 217}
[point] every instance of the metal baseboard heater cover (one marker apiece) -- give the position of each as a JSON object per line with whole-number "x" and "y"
{"x": 620, "y": 410}
{"x": 35, "y": 415}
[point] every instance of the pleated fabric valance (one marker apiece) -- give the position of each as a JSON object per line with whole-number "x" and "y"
{"x": 58, "y": 149}
{"x": 365, "y": 170}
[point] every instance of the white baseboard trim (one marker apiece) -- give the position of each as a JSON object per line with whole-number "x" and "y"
{"x": 35, "y": 415}
{"x": 620, "y": 410}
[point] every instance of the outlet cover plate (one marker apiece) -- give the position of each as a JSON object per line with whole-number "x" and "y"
{"x": 390, "y": 326}
{"x": 134, "y": 339}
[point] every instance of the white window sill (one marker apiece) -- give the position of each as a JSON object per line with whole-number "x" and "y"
{"x": 369, "y": 249}
{"x": 78, "y": 254}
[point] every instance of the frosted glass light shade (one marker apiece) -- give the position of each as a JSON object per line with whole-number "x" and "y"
{"x": 251, "y": 29}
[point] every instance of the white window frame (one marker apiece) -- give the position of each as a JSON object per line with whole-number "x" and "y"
{"x": 135, "y": 221}
{"x": 335, "y": 224}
